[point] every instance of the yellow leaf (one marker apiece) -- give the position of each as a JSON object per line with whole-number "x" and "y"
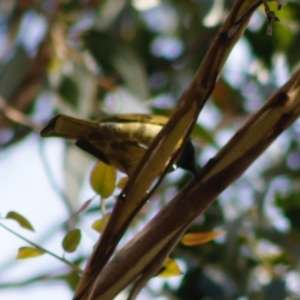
{"x": 29, "y": 252}
{"x": 71, "y": 240}
{"x": 122, "y": 182}
{"x": 23, "y": 222}
{"x": 100, "y": 224}
{"x": 197, "y": 238}
{"x": 102, "y": 179}
{"x": 170, "y": 268}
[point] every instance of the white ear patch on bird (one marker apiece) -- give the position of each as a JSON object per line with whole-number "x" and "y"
{"x": 119, "y": 141}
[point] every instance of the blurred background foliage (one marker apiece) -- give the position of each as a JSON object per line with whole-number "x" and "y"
{"x": 92, "y": 58}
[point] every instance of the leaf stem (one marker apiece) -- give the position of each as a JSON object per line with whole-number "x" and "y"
{"x": 72, "y": 265}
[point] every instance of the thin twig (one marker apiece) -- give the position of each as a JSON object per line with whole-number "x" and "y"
{"x": 17, "y": 117}
{"x": 73, "y": 266}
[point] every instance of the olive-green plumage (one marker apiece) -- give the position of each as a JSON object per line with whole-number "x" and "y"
{"x": 119, "y": 141}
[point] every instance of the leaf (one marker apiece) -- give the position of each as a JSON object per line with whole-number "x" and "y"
{"x": 102, "y": 179}
{"x": 122, "y": 182}
{"x": 13, "y": 72}
{"x": 115, "y": 57}
{"x": 205, "y": 136}
{"x": 23, "y": 222}
{"x": 71, "y": 240}
{"x": 100, "y": 224}
{"x": 170, "y": 269}
{"x": 29, "y": 252}
{"x": 71, "y": 279}
{"x": 82, "y": 208}
{"x": 132, "y": 70}
{"x": 69, "y": 91}
{"x": 197, "y": 238}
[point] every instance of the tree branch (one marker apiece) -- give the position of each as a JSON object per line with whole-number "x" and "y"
{"x": 282, "y": 109}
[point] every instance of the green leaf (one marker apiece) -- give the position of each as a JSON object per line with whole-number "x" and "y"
{"x": 71, "y": 240}
{"x": 23, "y": 222}
{"x": 103, "y": 179}
{"x": 71, "y": 279}
{"x": 68, "y": 89}
{"x": 13, "y": 72}
{"x": 132, "y": 70}
{"x": 115, "y": 58}
{"x": 204, "y": 135}
{"x": 122, "y": 182}
{"x": 29, "y": 252}
{"x": 100, "y": 224}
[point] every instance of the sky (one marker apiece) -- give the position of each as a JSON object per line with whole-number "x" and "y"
{"x": 25, "y": 188}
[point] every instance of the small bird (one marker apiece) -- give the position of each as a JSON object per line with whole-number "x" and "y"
{"x": 119, "y": 141}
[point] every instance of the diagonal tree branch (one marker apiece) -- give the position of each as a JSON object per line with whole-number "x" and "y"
{"x": 179, "y": 126}
{"x": 17, "y": 116}
{"x": 282, "y": 109}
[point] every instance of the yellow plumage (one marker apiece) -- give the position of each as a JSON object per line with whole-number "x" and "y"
{"x": 120, "y": 141}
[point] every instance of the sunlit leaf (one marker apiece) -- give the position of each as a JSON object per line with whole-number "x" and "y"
{"x": 102, "y": 179}
{"x": 170, "y": 268}
{"x": 23, "y": 222}
{"x": 197, "y": 238}
{"x": 122, "y": 182}
{"x": 100, "y": 224}
{"x": 71, "y": 240}
{"x": 29, "y": 252}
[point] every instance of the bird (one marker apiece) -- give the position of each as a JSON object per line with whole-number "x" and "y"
{"x": 119, "y": 141}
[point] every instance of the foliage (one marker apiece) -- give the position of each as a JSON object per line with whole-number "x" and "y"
{"x": 95, "y": 58}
